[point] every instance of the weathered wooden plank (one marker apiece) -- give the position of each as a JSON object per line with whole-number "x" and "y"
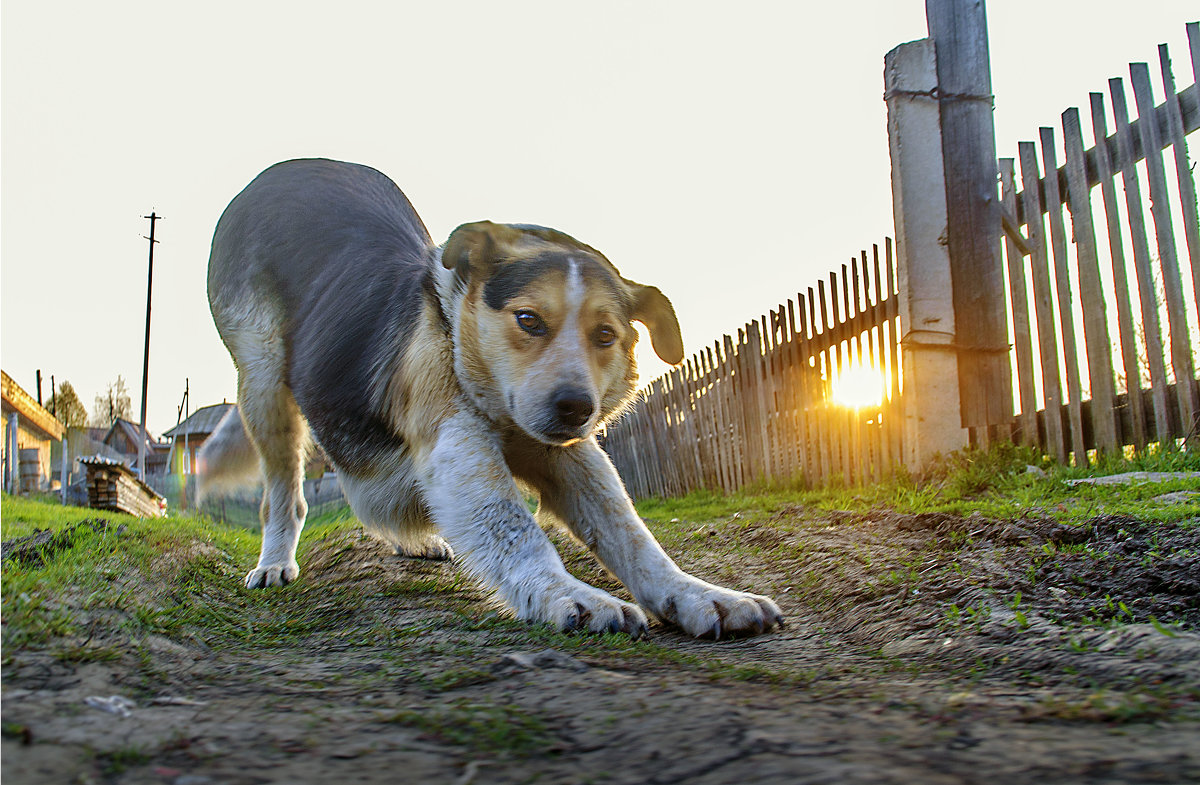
{"x": 799, "y": 390}
{"x": 837, "y": 363}
{"x": 733, "y": 401}
{"x": 820, "y": 387}
{"x": 850, "y": 292}
{"x": 1183, "y": 170}
{"x": 809, "y": 389}
{"x": 1189, "y": 107}
{"x": 1168, "y": 259}
{"x": 873, "y": 437}
{"x": 896, "y": 404}
{"x": 1066, "y": 315}
{"x": 1155, "y": 355}
{"x": 1019, "y": 307}
{"x": 783, "y": 421}
{"x": 1126, "y": 334}
{"x": 770, "y": 422}
{"x": 720, "y": 444}
{"x": 1092, "y": 301}
{"x": 1193, "y": 34}
{"x": 959, "y": 33}
{"x": 754, "y": 361}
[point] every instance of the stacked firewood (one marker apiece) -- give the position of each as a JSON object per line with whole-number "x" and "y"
{"x": 112, "y": 485}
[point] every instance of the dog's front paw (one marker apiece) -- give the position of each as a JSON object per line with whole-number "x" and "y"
{"x": 432, "y": 547}
{"x": 276, "y": 574}
{"x": 707, "y": 611}
{"x": 578, "y": 606}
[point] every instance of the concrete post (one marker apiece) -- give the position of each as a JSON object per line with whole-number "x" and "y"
{"x": 932, "y": 418}
{"x": 14, "y": 454}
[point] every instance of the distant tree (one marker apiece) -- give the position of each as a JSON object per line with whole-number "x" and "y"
{"x": 68, "y": 408}
{"x": 113, "y": 404}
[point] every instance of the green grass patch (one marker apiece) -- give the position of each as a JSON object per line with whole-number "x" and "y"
{"x": 996, "y": 483}
{"x": 494, "y": 729}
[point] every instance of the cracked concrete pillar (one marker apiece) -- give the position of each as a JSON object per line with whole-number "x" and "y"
{"x": 932, "y": 417}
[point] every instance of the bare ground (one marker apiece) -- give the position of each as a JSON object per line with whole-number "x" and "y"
{"x": 919, "y": 648}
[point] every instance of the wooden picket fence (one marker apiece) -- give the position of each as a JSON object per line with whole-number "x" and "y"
{"x": 1094, "y": 373}
{"x": 758, "y": 409}
{"x": 1127, "y": 386}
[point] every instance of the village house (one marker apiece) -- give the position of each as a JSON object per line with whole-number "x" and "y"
{"x": 28, "y": 430}
{"x": 189, "y": 436}
{"x": 124, "y": 437}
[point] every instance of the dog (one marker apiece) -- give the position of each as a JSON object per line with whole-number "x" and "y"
{"x": 441, "y": 382}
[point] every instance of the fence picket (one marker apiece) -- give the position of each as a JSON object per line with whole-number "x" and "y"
{"x": 1098, "y": 343}
{"x": 1127, "y": 337}
{"x": 1019, "y": 305}
{"x": 1160, "y": 213}
{"x": 1183, "y": 169}
{"x": 1062, "y": 282}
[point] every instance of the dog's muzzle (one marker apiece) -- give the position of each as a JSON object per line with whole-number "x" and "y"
{"x": 569, "y": 411}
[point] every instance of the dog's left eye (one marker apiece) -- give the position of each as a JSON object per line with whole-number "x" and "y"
{"x": 531, "y": 323}
{"x": 606, "y": 336}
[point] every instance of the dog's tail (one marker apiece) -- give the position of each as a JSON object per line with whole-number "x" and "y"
{"x": 228, "y": 459}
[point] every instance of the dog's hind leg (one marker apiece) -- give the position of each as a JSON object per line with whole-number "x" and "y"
{"x": 275, "y": 425}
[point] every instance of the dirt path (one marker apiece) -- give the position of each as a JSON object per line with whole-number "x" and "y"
{"x": 909, "y": 657}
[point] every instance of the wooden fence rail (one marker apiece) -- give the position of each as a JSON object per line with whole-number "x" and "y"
{"x": 759, "y": 408}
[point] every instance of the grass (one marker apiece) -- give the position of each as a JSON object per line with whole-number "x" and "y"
{"x": 996, "y": 484}
{"x": 180, "y": 576}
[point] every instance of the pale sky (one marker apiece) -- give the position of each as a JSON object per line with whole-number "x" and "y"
{"x": 730, "y": 157}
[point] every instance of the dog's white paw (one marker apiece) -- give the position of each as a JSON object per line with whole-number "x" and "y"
{"x": 277, "y": 574}
{"x": 431, "y": 547}
{"x": 706, "y": 611}
{"x": 578, "y": 606}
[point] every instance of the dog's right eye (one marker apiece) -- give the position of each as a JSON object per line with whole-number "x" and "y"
{"x": 531, "y": 323}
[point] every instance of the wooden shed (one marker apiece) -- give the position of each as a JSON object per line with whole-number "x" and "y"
{"x": 27, "y": 432}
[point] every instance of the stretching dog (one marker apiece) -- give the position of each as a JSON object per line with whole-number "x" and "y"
{"x": 437, "y": 379}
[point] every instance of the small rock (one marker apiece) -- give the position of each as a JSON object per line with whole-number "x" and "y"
{"x": 192, "y": 779}
{"x": 171, "y": 700}
{"x": 1178, "y": 497}
{"x": 1034, "y": 470}
{"x": 548, "y": 658}
{"x": 113, "y": 704}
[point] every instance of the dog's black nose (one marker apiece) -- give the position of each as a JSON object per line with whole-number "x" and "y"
{"x": 572, "y": 406}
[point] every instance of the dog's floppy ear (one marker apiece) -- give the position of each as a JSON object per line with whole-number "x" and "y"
{"x": 652, "y": 308}
{"x": 472, "y": 246}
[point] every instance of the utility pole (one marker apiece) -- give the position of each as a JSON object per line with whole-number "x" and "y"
{"x": 39, "y": 386}
{"x": 182, "y": 414}
{"x": 146, "y": 355}
{"x": 53, "y": 397}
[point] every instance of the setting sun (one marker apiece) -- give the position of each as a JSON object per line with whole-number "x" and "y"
{"x": 858, "y": 387}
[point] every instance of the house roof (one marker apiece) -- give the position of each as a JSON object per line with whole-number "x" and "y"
{"x": 131, "y": 430}
{"x": 203, "y": 421}
{"x": 27, "y": 407}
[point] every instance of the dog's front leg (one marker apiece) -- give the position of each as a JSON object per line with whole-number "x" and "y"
{"x": 475, "y": 502}
{"x": 582, "y": 489}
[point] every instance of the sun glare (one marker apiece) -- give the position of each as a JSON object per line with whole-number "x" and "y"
{"x": 858, "y": 387}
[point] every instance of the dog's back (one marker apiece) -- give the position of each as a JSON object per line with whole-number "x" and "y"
{"x": 300, "y": 225}
{"x": 315, "y": 266}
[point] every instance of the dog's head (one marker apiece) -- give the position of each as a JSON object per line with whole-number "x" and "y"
{"x": 545, "y": 332}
